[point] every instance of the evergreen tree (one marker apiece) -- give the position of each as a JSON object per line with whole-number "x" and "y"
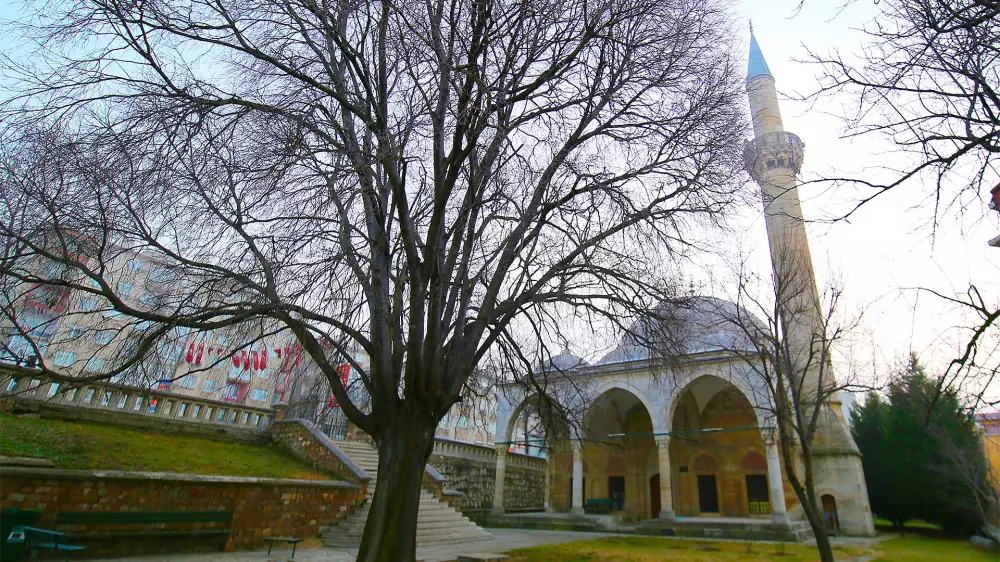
{"x": 922, "y": 455}
{"x": 869, "y": 429}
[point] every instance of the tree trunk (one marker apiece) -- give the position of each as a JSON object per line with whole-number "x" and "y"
{"x": 391, "y": 530}
{"x": 819, "y": 531}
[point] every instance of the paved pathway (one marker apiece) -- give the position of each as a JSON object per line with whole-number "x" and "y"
{"x": 503, "y": 539}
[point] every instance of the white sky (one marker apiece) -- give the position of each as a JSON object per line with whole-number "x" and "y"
{"x": 887, "y": 246}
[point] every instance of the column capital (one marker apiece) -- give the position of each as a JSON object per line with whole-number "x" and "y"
{"x": 502, "y": 450}
{"x": 662, "y": 440}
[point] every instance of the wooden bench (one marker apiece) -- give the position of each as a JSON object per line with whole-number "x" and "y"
{"x": 42, "y": 539}
{"x": 271, "y": 540}
{"x": 598, "y": 505}
{"x": 158, "y": 518}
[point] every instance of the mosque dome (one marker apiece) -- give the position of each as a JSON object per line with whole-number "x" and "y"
{"x": 686, "y": 326}
{"x": 564, "y": 361}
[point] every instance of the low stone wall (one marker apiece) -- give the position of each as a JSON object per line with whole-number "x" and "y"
{"x": 303, "y": 440}
{"x": 261, "y": 507}
{"x": 471, "y": 469}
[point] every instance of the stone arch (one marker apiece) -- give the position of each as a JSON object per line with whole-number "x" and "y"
{"x": 630, "y": 388}
{"x": 705, "y": 462}
{"x": 513, "y": 414}
{"x": 675, "y": 396}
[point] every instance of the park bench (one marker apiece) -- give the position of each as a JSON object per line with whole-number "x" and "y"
{"x": 271, "y": 540}
{"x": 598, "y": 505}
{"x": 42, "y": 539}
{"x": 161, "y": 520}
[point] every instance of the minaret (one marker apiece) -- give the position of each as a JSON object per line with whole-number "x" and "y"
{"x": 774, "y": 159}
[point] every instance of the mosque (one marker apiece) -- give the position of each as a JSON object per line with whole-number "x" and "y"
{"x": 662, "y": 440}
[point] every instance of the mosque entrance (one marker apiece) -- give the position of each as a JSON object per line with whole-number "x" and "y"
{"x": 616, "y": 492}
{"x": 708, "y": 494}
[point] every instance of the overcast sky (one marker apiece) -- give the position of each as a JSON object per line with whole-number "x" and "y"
{"x": 887, "y": 247}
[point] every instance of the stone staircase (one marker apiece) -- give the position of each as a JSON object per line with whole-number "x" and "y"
{"x": 437, "y": 523}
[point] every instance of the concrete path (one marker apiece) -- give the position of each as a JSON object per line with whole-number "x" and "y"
{"x": 503, "y": 540}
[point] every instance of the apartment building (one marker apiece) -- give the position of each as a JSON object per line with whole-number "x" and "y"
{"x": 81, "y": 334}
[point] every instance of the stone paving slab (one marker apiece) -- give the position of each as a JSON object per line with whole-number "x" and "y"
{"x": 503, "y": 540}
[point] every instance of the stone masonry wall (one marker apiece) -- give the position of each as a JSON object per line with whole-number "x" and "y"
{"x": 471, "y": 469}
{"x": 261, "y": 506}
{"x": 305, "y": 442}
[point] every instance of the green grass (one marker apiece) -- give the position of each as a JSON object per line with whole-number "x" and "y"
{"x": 107, "y": 447}
{"x": 647, "y": 549}
{"x": 930, "y": 549}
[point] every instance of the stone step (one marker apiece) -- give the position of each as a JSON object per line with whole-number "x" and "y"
{"x": 437, "y": 522}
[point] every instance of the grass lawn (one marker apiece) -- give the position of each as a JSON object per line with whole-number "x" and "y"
{"x": 643, "y": 549}
{"x": 108, "y": 447}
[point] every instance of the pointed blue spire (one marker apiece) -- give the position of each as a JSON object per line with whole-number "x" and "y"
{"x": 757, "y": 66}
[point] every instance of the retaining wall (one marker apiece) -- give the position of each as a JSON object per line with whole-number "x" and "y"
{"x": 261, "y": 507}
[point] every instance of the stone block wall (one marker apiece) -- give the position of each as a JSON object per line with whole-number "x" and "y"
{"x": 261, "y": 507}
{"x": 471, "y": 469}
{"x": 303, "y": 440}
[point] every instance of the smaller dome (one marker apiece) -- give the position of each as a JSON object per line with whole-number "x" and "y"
{"x": 564, "y": 361}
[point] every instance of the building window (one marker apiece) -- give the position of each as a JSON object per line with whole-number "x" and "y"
{"x": 106, "y": 398}
{"x": 88, "y": 304}
{"x": 89, "y": 396}
{"x": 161, "y": 275}
{"x": 96, "y": 364}
{"x": 73, "y": 394}
{"x": 75, "y": 332}
{"x": 232, "y": 417}
{"x": 197, "y": 410}
{"x": 150, "y": 300}
{"x": 122, "y": 401}
{"x": 138, "y": 403}
{"x": 64, "y": 358}
{"x": 222, "y": 415}
{"x": 125, "y": 289}
{"x": 13, "y": 384}
{"x": 113, "y": 314}
{"x": 258, "y": 394}
{"x": 104, "y": 337}
{"x": 208, "y": 414}
{"x": 256, "y": 419}
{"x": 183, "y": 409}
{"x": 53, "y": 389}
{"x": 189, "y": 381}
{"x": 134, "y": 264}
{"x": 167, "y": 407}
{"x": 209, "y": 385}
{"x": 246, "y": 418}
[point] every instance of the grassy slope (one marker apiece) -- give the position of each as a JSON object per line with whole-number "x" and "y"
{"x": 648, "y": 549}
{"x": 107, "y": 447}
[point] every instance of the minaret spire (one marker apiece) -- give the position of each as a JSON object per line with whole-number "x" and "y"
{"x": 774, "y": 159}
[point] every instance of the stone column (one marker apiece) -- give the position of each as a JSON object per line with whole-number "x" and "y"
{"x": 497, "y": 508}
{"x": 577, "y": 508}
{"x": 779, "y": 514}
{"x": 666, "y": 495}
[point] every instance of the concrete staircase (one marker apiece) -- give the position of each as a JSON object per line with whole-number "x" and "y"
{"x": 437, "y": 523}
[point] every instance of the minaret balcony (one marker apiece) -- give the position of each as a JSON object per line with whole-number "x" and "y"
{"x": 780, "y": 150}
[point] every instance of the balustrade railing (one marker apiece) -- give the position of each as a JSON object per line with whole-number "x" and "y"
{"x": 133, "y": 400}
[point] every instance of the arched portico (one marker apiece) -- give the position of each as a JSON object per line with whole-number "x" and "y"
{"x": 721, "y": 463}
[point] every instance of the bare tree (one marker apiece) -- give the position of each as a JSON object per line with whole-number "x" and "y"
{"x": 929, "y": 83}
{"x": 790, "y": 341}
{"x": 421, "y": 181}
